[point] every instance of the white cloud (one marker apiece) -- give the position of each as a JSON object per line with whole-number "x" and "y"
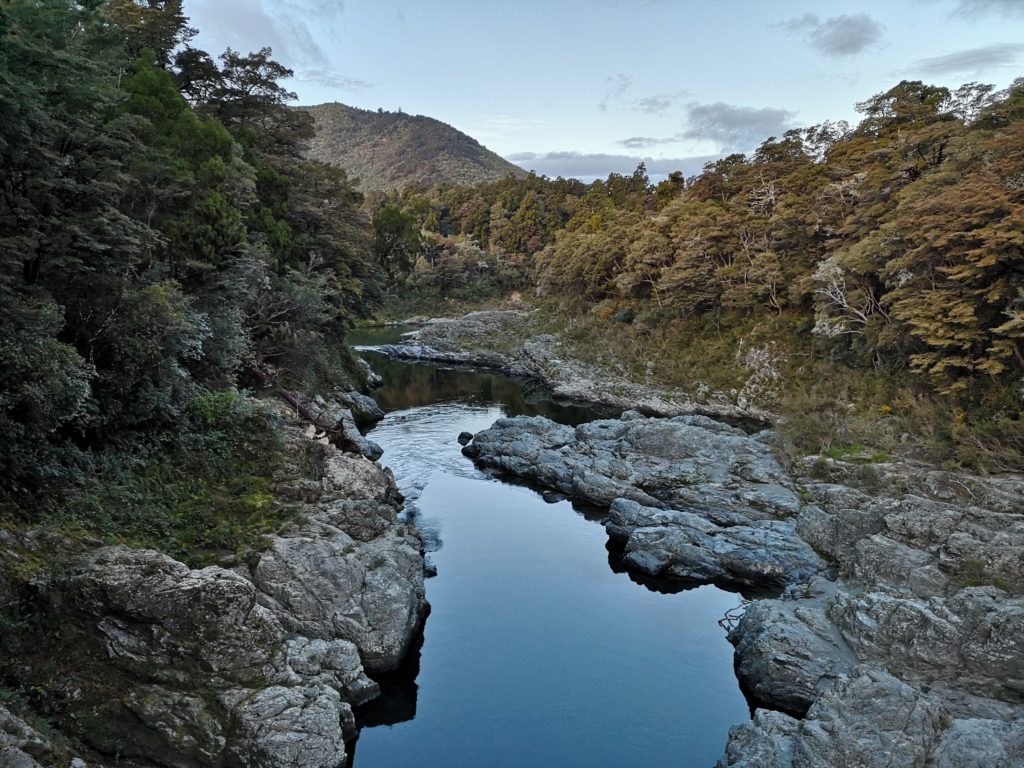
{"x": 733, "y": 128}
{"x": 838, "y": 36}
{"x": 970, "y": 61}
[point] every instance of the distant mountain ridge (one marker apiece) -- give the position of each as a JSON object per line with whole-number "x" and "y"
{"x": 393, "y": 150}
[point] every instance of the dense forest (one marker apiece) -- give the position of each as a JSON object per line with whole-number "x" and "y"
{"x": 165, "y": 244}
{"x": 892, "y": 251}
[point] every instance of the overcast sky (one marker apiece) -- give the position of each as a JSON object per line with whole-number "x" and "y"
{"x": 587, "y": 87}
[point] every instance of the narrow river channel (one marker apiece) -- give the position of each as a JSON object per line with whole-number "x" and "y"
{"x": 538, "y": 650}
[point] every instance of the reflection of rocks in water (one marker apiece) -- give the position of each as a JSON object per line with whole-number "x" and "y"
{"x": 429, "y": 530}
{"x": 398, "y": 692}
{"x": 410, "y": 385}
{"x": 670, "y": 585}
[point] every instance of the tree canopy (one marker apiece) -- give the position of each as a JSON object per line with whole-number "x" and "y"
{"x": 162, "y": 236}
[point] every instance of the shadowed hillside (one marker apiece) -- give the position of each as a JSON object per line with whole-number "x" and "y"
{"x": 391, "y": 150}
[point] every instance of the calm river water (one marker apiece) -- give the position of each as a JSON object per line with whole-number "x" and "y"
{"x": 538, "y": 650}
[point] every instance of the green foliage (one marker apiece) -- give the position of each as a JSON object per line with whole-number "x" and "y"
{"x": 887, "y": 258}
{"x": 200, "y": 494}
{"x": 163, "y": 240}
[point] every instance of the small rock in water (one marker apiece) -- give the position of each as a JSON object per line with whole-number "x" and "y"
{"x": 465, "y": 438}
{"x": 552, "y": 497}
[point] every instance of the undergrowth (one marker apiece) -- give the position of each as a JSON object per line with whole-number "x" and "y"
{"x": 842, "y": 407}
{"x": 199, "y": 495}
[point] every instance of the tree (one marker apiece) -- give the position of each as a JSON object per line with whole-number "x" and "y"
{"x": 157, "y": 25}
{"x": 395, "y": 241}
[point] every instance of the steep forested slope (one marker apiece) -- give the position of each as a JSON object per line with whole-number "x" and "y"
{"x": 164, "y": 243}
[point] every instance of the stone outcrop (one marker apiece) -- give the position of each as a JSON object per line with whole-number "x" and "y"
{"x": 690, "y": 463}
{"x": 897, "y": 640}
{"x": 929, "y": 596}
{"x": 788, "y": 650}
{"x": 351, "y": 570}
{"x": 687, "y": 546}
{"x": 193, "y": 658}
{"x": 256, "y": 664}
{"x": 504, "y": 340}
{"x": 690, "y": 498}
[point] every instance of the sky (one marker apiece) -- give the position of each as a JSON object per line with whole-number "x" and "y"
{"x": 585, "y": 88}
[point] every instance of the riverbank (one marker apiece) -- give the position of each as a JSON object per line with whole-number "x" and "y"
{"x": 897, "y": 640}
{"x": 134, "y": 655}
{"x": 506, "y": 340}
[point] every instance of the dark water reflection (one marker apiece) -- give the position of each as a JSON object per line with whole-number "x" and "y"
{"x": 538, "y": 651}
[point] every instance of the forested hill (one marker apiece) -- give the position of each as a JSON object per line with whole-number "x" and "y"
{"x": 880, "y": 266}
{"x": 392, "y": 150}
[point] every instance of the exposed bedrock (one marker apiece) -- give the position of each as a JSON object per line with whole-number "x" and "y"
{"x": 260, "y": 664}
{"x": 686, "y": 546}
{"x": 690, "y": 463}
{"x": 929, "y": 597}
{"x": 900, "y": 631}
{"x": 688, "y": 497}
{"x": 505, "y": 340}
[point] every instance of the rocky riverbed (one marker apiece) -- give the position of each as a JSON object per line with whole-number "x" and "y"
{"x": 253, "y": 663}
{"x": 898, "y": 637}
{"x": 504, "y": 340}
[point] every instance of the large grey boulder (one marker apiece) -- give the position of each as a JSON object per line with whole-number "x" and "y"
{"x": 685, "y": 545}
{"x": 206, "y": 672}
{"x": 690, "y": 463}
{"x": 349, "y": 569}
{"x": 338, "y": 423}
{"x": 364, "y": 409}
{"x": 286, "y": 726}
{"x": 322, "y": 583}
{"x": 787, "y": 649}
{"x": 155, "y": 614}
{"x": 869, "y": 720}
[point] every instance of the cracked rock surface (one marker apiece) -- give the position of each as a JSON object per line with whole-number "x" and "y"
{"x": 898, "y": 639}
{"x": 256, "y": 664}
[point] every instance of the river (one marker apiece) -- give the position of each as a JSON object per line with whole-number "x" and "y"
{"x": 539, "y": 650}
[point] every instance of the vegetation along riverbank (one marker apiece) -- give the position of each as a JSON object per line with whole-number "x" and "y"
{"x": 817, "y": 349}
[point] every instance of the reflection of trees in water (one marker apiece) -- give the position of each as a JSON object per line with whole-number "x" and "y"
{"x": 409, "y": 385}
